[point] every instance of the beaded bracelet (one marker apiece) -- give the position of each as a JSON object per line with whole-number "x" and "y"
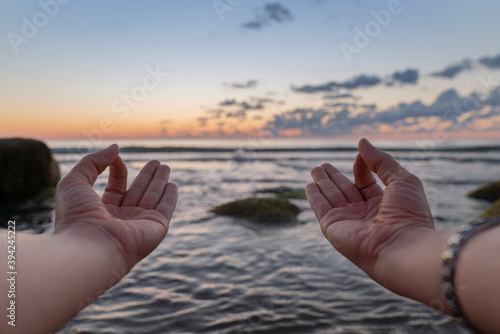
{"x": 449, "y": 259}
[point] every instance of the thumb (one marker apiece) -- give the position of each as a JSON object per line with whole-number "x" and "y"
{"x": 89, "y": 168}
{"x": 381, "y": 163}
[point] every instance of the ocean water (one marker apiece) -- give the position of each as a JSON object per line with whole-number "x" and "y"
{"x": 223, "y": 275}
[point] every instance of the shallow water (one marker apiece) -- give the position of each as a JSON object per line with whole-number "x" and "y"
{"x": 219, "y": 276}
{"x": 222, "y": 275}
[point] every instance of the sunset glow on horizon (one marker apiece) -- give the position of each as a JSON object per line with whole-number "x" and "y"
{"x": 168, "y": 69}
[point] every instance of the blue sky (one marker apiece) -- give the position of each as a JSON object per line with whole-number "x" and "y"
{"x": 89, "y": 53}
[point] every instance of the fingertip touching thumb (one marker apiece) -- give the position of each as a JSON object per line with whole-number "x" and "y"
{"x": 111, "y": 152}
{"x": 113, "y": 147}
{"x": 383, "y": 164}
{"x": 94, "y": 164}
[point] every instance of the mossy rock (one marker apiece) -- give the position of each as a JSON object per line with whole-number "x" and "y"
{"x": 493, "y": 210}
{"x": 489, "y": 192}
{"x": 295, "y": 194}
{"x": 285, "y": 192}
{"x": 265, "y": 210}
{"x": 27, "y": 170}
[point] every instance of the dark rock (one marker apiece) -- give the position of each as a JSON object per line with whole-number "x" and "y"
{"x": 265, "y": 210}
{"x": 489, "y": 192}
{"x": 28, "y": 172}
{"x": 294, "y": 194}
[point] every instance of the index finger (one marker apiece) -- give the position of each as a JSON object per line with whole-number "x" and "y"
{"x": 89, "y": 168}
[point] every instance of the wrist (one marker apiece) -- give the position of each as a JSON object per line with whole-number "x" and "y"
{"x": 90, "y": 237}
{"x": 412, "y": 268}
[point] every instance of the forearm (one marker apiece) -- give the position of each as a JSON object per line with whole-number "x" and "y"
{"x": 56, "y": 277}
{"x": 477, "y": 280}
{"x": 413, "y": 271}
{"x": 416, "y": 273}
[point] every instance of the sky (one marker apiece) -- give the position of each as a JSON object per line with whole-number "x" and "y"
{"x": 233, "y": 68}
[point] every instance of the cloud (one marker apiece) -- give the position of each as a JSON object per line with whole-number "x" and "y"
{"x": 247, "y": 84}
{"x": 277, "y": 13}
{"x": 263, "y": 100}
{"x": 369, "y": 106}
{"x": 241, "y": 114}
{"x": 340, "y": 104}
{"x": 247, "y": 106}
{"x": 450, "y": 110}
{"x": 215, "y": 113}
{"x": 256, "y": 103}
{"x": 232, "y": 109}
{"x": 165, "y": 121}
{"x": 410, "y": 76}
{"x": 490, "y": 62}
{"x": 203, "y": 121}
{"x": 307, "y": 120}
{"x": 270, "y": 13}
{"x": 494, "y": 98}
{"x": 453, "y": 70}
{"x": 256, "y": 25}
{"x": 266, "y": 100}
{"x": 337, "y": 96}
{"x": 362, "y": 80}
{"x": 228, "y": 102}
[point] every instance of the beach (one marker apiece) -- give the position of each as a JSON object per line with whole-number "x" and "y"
{"x": 215, "y": 274}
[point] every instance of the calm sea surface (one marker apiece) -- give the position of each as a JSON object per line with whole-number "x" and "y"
{"x": 222, "y": 275}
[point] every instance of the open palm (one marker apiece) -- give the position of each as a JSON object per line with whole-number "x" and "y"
{"x": 363, "y": 221}
{"x": 132, "y": 221}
